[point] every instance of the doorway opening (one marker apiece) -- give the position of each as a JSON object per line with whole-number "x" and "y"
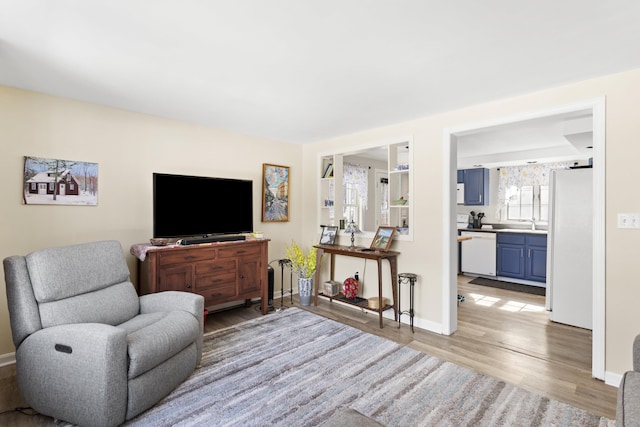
{"x": 449, "y": 282}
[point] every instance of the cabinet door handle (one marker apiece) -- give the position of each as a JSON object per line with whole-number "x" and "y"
{"x": 529, "y": 255}
{"x": 522, "y": 252}
{"x": 188, "y": 286}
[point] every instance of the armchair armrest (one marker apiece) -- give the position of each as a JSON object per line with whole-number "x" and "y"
{"x": 78, "y": 371}
{"x": 636, "y": 354}
{"x": 176, "y": 300}
{"x": 173, "y": 300}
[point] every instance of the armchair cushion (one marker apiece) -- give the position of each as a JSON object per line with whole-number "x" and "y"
{"x": 111, "y": 306}
{"x": 62, "y": 272}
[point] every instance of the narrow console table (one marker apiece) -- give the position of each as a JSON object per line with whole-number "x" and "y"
{"x": 378, "y": 256}
{"x": 221, "y": 271}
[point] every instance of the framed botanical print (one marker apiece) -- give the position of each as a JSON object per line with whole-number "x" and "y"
{"x": 382, "y": 239}
{"x": 275, "y": 193}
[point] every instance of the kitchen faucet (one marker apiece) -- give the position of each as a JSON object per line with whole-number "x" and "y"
{"x": 533, "y": 223}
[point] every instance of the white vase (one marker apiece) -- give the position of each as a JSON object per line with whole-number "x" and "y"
{"x": 305, "y": 287}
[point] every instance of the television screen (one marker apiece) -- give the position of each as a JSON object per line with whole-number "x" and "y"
{"x": 188, "y": 206}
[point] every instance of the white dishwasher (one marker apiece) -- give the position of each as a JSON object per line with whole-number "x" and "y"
{"x": 479, "y": 253}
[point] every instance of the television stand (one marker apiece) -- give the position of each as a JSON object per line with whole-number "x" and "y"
{"x": 222, "y": 273}
{"x": 210, "y": 239}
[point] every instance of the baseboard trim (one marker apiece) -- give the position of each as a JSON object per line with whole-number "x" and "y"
{"x": 612, "y": 379}
{"x": 388, "y": 314}
{"x": 7, "y": 359}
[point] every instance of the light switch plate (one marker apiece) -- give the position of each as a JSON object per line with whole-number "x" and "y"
{"x": 629, "y": 220}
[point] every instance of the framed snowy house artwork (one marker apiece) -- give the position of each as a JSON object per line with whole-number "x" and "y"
{"x": 59, "y": 182}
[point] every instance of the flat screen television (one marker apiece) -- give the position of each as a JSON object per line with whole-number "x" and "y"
{"x": 197, "y": 206}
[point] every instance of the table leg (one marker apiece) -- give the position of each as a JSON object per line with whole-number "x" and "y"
{"x": 399, "y": 299}
{"x": 380, "y": 290}
{"x": 316, "y": 281}
{"x": 393, "y": 266}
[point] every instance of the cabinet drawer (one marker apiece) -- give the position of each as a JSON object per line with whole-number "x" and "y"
{"x": 535, "y": 240}
{"x": 512, "y": 239}
{"x": 218, "y": 281}
{"x": 239, "y": 251}
{"x": 181, "y": 256}
{"x": 215, "y": 267}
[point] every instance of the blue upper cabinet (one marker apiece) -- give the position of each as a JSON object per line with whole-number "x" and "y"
{"x": 476, "y": 187}
{"x": 460, "y": 176}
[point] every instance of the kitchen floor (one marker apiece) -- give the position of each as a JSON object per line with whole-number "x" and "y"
{"x": 518, "y": 343}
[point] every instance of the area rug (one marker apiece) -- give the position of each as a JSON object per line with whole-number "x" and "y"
{"x": 294, "y": 368}
{"x": 528, "y": 289}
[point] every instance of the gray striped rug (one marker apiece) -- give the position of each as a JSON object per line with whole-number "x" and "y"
{"x": 294, "y": 368}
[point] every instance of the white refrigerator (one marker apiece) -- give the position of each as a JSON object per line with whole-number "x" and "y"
{"x": 570, "y": 248}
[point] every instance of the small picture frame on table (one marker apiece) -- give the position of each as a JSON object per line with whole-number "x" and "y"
{"x": 328, "y": 236}
{"x": 382, "y": 239}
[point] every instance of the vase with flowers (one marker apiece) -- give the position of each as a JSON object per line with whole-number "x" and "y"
{"x": 304, "y": 265}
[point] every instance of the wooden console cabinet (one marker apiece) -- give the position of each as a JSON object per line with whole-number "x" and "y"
{"x": 221, "y": 272}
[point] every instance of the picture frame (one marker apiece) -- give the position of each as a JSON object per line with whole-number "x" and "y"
{"x": 382, "y": 240}
{"x": 48, "y": 181}
{"x": 275, "y": 193}
{"x": 328, "y": 236}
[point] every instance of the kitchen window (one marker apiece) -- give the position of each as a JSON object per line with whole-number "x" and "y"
{"x": 527, "y": 203}
{"x": 523, "y": 191}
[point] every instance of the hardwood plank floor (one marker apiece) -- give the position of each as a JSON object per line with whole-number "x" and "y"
{"x": 507, "y": 335}
{"x": 501, "y": 333}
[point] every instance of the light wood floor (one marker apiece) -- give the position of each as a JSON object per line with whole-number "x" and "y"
{"x": 500, "y": 333}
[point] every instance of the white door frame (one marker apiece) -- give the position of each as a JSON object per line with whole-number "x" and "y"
{"x": 449, "y": 247}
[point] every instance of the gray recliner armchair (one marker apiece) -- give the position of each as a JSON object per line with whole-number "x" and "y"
{"x": 628, "y": 410}
{"x": 89, "y": 350}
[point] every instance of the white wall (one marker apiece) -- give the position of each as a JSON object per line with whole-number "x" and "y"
{"x": 128, "y": 148}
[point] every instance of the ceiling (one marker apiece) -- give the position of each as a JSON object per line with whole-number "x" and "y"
{"x": 302, "y": 71}
{"x": 561, "y": 137}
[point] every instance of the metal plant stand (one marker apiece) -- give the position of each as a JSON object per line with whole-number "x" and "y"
{"x": 411, "y": 279}
{"x": 285, "y": 262}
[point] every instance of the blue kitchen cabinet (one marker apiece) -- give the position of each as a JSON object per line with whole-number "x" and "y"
{"x": 460, "y": 176}
{"x": 476, "y": 187}
{"x": 536, "y": 265}
{"x": 522, "y": 256}
{"x": 510, "y": 255}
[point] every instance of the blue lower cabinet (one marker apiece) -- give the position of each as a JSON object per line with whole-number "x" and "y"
{"x": 522, "y": 256}
{"x": 536, "y": 266}
{"x": 510, "y": 255}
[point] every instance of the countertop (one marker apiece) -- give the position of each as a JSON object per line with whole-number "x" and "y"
{"x": 504, "y": 230}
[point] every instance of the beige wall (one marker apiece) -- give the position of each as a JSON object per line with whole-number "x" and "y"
{"x": 128, "y": 147}
{"x": 424, "y": 255}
